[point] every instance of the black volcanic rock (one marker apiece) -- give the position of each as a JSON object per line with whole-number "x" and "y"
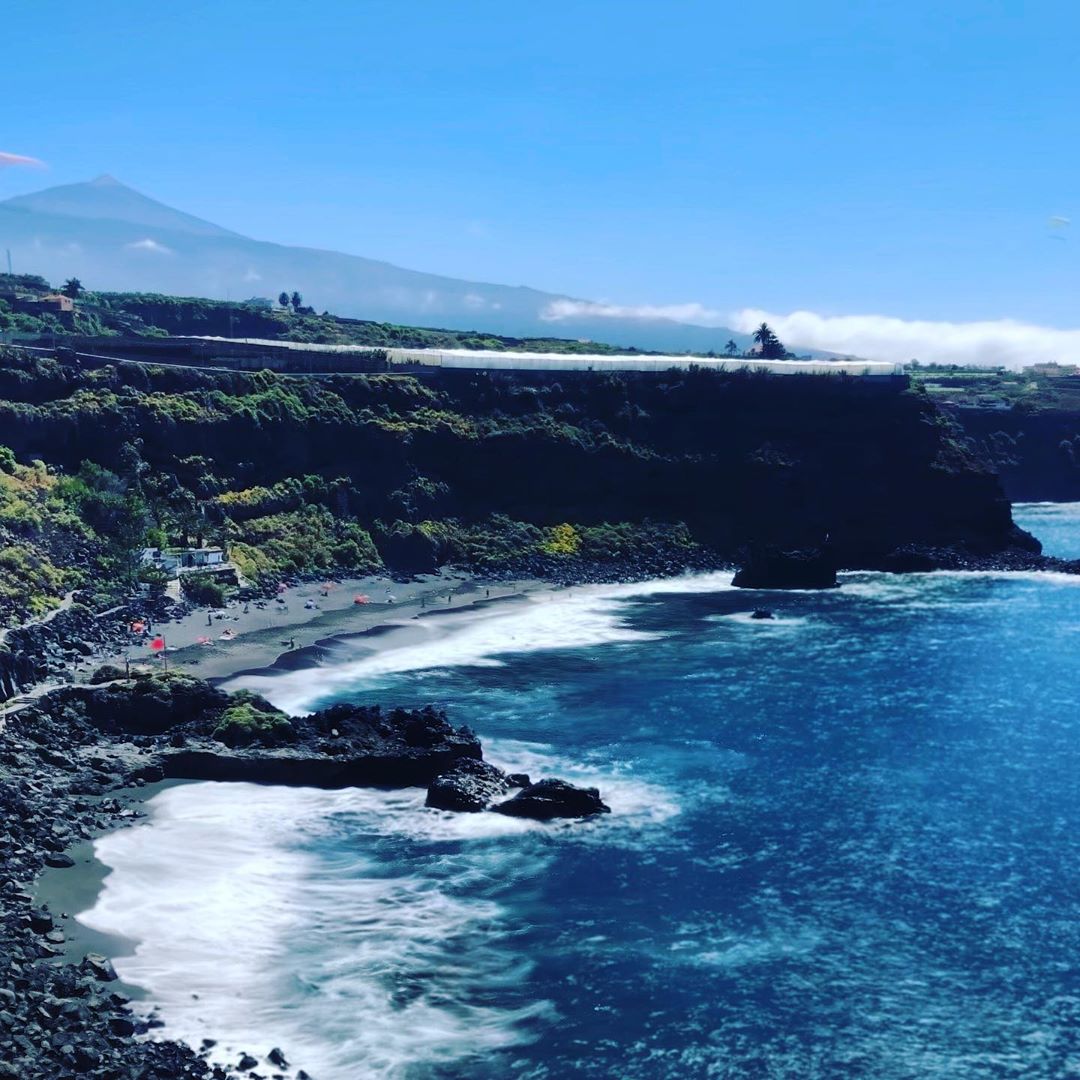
{"x": 468, "y": 786}
{"x": 547, "y": 799}
{"x": 769, "y": 568}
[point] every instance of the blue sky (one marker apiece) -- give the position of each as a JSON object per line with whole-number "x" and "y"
{"x": 899, "y": 159}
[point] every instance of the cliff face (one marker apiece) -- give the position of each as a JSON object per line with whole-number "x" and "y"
{"x": 1036, "y": 453}
{"x": 867, "y": 465}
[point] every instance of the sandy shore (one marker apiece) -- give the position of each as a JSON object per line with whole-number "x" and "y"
{"x": 257, "y": 635}
{"x": 281, "y": 635}
{"x": 68, "y": 891}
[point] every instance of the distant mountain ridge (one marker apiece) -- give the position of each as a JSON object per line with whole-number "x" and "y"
{"x": 115, "y": 238}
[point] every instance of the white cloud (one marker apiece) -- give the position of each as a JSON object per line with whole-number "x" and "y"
{"x": 8, "y": 160}
{"x": 991, "y": 343}
{"x": 699, "y": 314}
{"x": 880, "y": 337}
{"x": 149, "y": 245}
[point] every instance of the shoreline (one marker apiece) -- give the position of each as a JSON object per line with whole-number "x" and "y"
{"x": 73, "y": 890}
{"x": 67, "y": 891}
{"x": 259, "y": 642}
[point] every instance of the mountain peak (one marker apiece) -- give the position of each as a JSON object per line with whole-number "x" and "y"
{"x": 105, "y": 198}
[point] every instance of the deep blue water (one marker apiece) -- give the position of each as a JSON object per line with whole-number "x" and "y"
{"x": 846, "y": 843}
{"x": 1057, "y": 525}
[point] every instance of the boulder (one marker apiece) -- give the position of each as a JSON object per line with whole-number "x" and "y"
{"x": 547, "y": 799}
{"x": 762, "y": 613}
{"x": 770, "y": 568}
{"x": 101, "y": 968}
{"x": 467, "y": 786}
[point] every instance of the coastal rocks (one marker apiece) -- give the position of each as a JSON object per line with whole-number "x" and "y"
{"x": 342, "y": 746}
{"x": 468, "y": 786}
{"x": 17, "y": 672}
{"x": 101, "y": 968}
{"x": 548, "y": 799}
{"x": 471, "y": 786}
{"x": 762, "y": 613}
{"x": 770, "y": 568}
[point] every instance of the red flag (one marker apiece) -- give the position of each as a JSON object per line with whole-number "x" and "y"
{"x": 157, "y": 644}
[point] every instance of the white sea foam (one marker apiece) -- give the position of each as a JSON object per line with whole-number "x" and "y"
{"x": 567, "y": 619}
{"x": 245, "y": 935}
{"x": 939, "y": 588}
{"x": 262, "y": 916}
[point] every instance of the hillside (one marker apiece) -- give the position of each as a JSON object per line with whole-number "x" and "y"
{"x": 117, "y": 239}
{"x": 1026, "y": 423}
{"x": 152, "y": 315}
{"x": 497, "y": 472}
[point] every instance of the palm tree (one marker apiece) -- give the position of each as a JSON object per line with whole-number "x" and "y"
{"x": 73, "y": 288}
{"x": 771, "y": 346}
{"x": 731, "y": 349}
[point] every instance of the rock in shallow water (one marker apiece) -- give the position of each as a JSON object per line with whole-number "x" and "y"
{"x": 97, "y": 965}
{"x": 547, "y": 799}
{"x": 468, "y": 786}
{"x": 767, "y": 568}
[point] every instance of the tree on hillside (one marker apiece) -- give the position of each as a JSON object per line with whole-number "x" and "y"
{"x": 771, "y": 346}
{"x": 283, "y": 299}
{"x": 73, "y": 288}
{"x": 297, "y": 301}
{"x": 731, "y": 349}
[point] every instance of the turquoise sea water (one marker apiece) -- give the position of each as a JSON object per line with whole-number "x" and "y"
{"x": 845, "y": 843}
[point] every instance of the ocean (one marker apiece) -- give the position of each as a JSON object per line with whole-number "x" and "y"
{"x": 844, "y": 843}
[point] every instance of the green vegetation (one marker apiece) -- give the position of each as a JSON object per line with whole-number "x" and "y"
{"x": 152, "y": 315}
{"x": 301, "y": 542}
{"x": 41, "y": 536}
{"x": 541, "y": 473}
{"x": 204, "y": 590}
{"x": 1032, "y": 389}
{"x": 246, "y": 723}
{"x": 771, "y": 347}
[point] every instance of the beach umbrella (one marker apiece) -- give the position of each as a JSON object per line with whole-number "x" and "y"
{"x": 158, "y": 644}
{"x": 361, "y": 598}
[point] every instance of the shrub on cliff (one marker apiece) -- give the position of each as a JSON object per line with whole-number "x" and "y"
{"x": 204, "y": 590}
{"x": 561, "y": 540}
{"x": 245, "y": 724}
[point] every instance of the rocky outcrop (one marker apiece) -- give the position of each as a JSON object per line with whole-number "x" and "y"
{"x": 1036, "y": 452}
{"x": 59, "y": 760}
{"x": 769, "y": 568}
{"x": 179, "y": 727}
{"x": 468, "y": 786}
{"x": 548, "y": 799}
{"x": 49, "y": 648}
